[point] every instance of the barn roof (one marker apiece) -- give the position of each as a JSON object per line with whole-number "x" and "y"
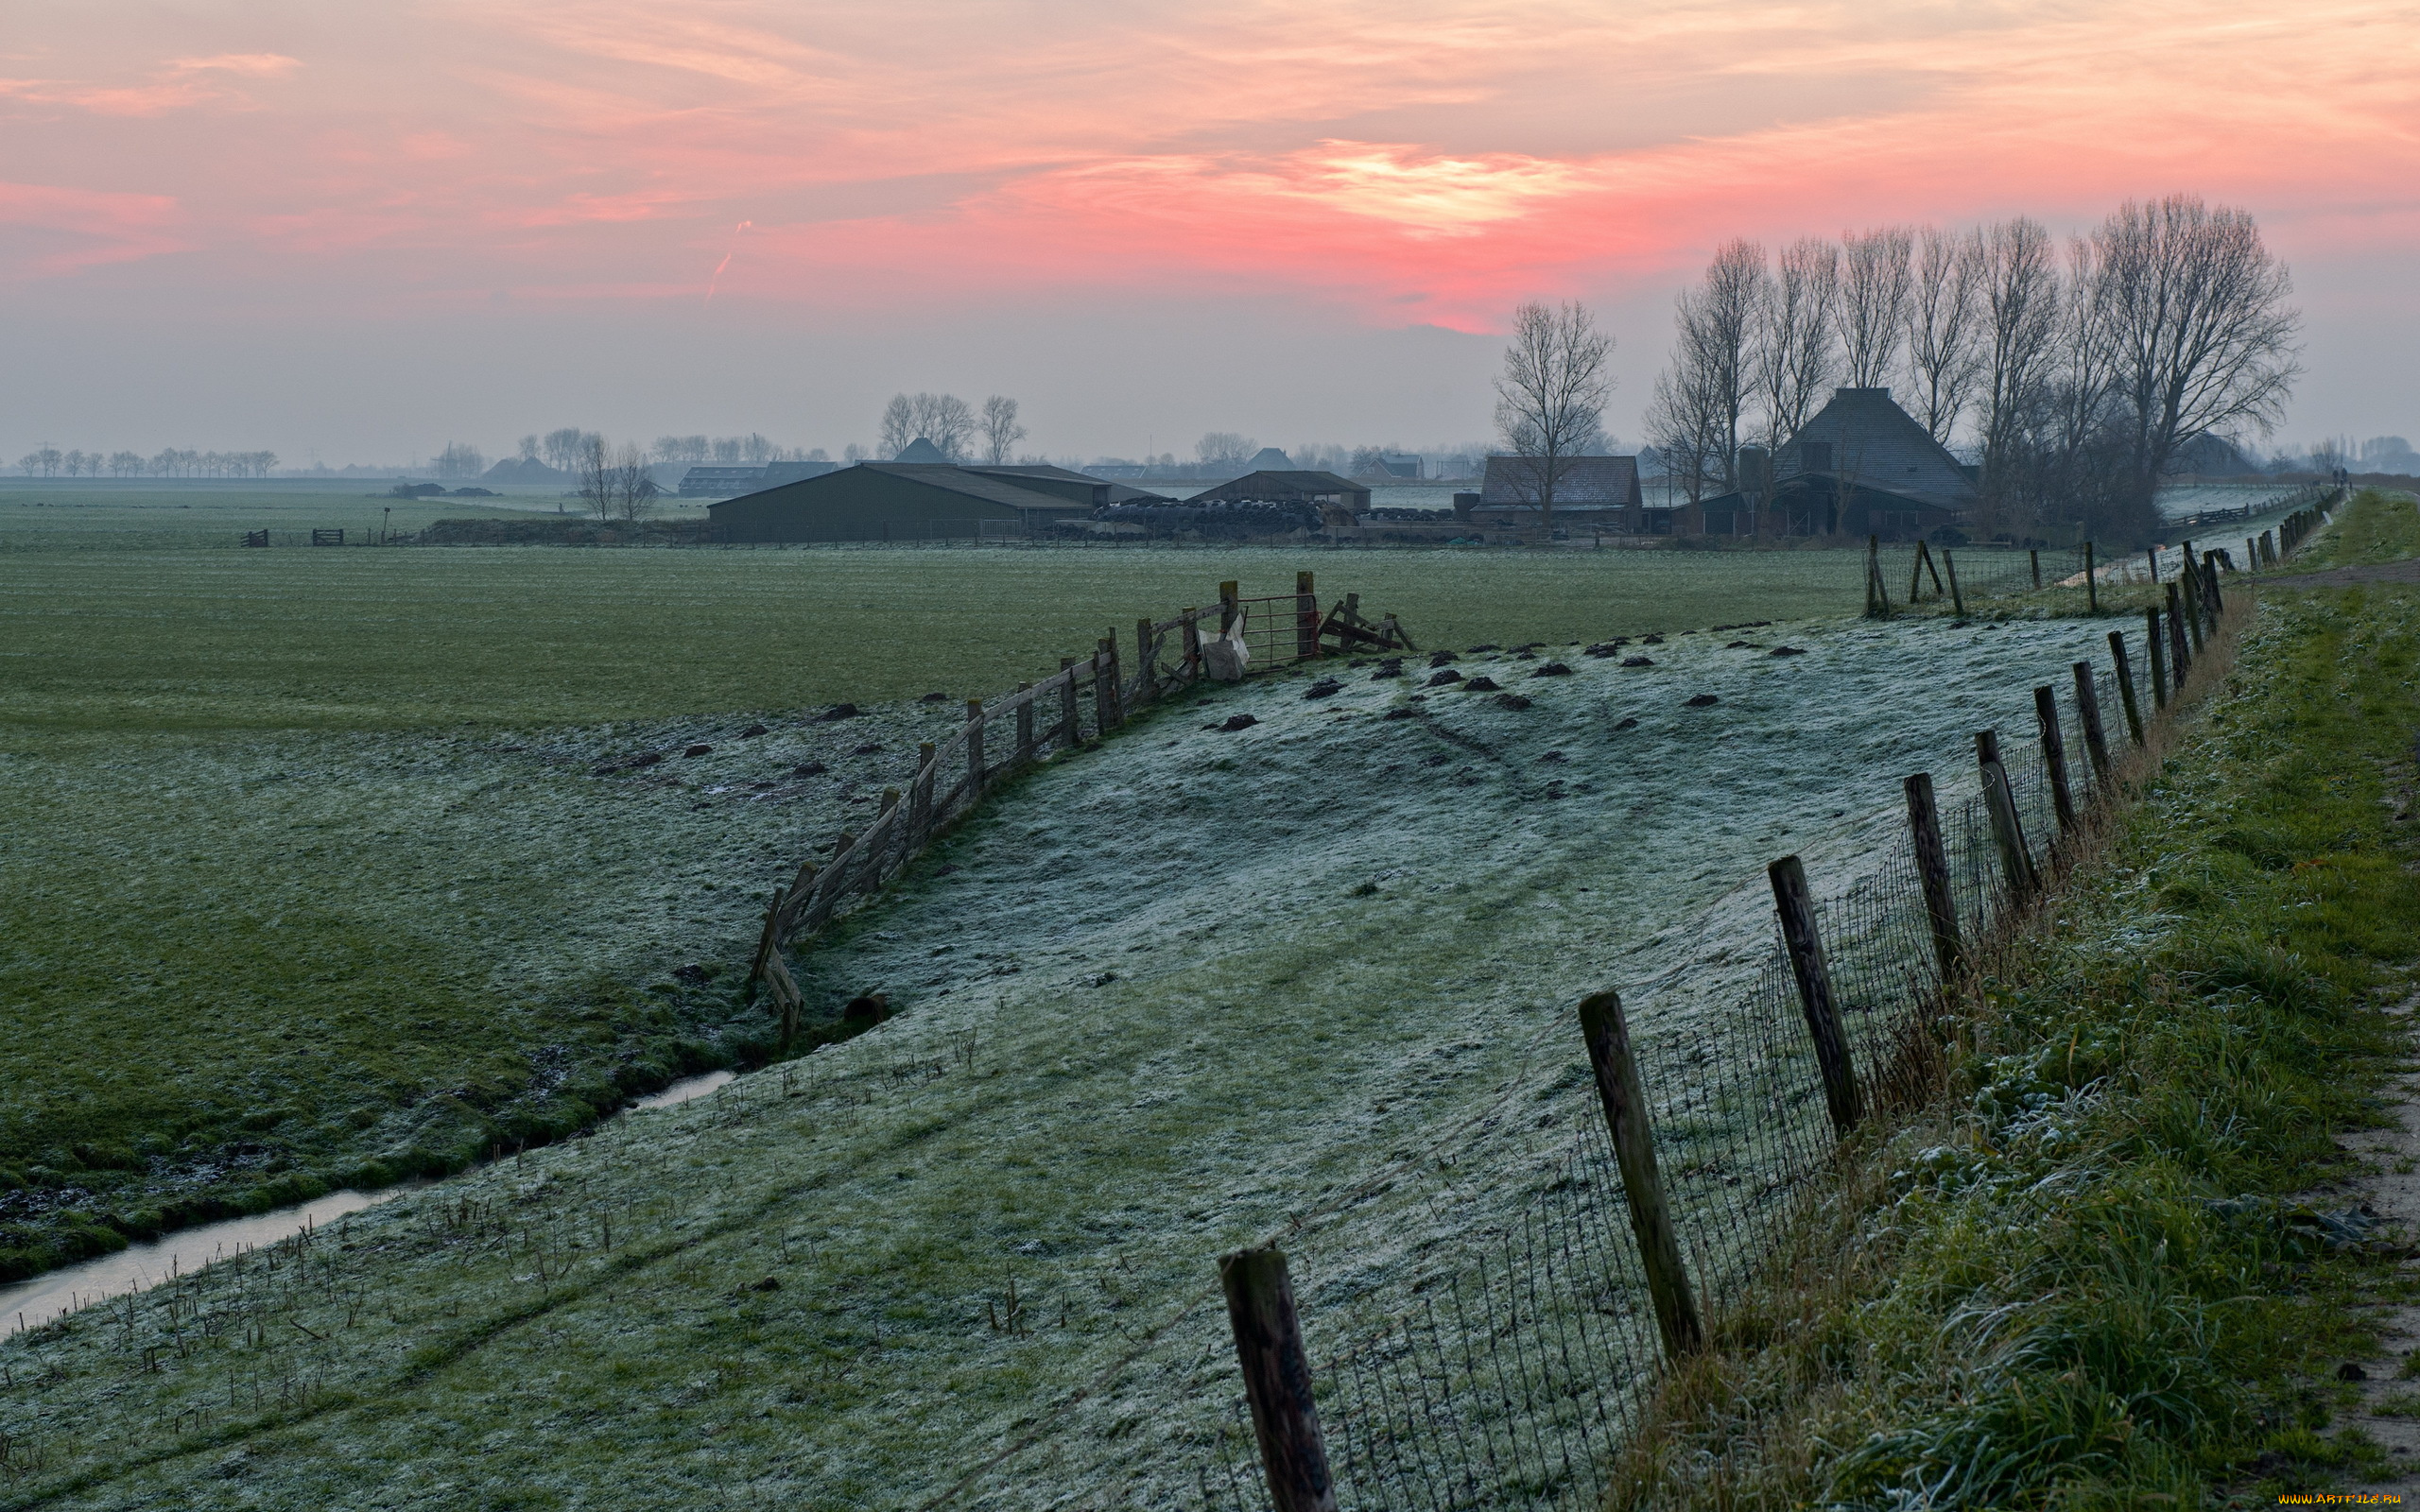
{"x": 1863, "y": 436}
{"x": 1592, "y": 482}
{"x": 1282, "y": 483}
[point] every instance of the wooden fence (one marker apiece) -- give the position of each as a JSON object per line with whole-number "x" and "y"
{"x": 1087, "y": 698}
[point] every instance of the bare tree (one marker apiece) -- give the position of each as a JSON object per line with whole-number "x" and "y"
{"x": 943, "y": 420}
{"x": 1002, "y": 431}
{"x": 755, "y": 450}
{"x": 566, "y": 448}
{"x": 1714, "y": 353}
{"x": 529, "y": 448}
{"x": 126, "y": 464}
{"x": 592, "y": 473}
{"x": 1872, "y": 309}
{"x": 1942, "y": 325}
{"x": 460, "y": 460}
{"x": 2020, "y": 309}
{"x": 1690, "y": 428}
{"x": 1795, "y": 355}
{"x": 1227, "y": 450}
{"x": 2194, "y": 309}
{"x": 1550, "y": 397}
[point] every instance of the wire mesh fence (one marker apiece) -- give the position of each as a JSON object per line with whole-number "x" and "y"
{"x": 1507, "y": 1368}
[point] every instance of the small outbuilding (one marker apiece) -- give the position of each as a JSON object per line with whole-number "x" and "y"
{"x": 1861, "y": 466}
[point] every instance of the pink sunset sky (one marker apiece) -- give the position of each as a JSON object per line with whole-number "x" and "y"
{"x": 360, "y": 231}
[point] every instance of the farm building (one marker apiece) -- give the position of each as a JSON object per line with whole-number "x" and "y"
{"x": 723, "y": 482}
{"x": 1323, "y": 490}
{"x": 1861, "y": 466}
{"x": 914, "y": 501}
{"x": 1591, "y": 494}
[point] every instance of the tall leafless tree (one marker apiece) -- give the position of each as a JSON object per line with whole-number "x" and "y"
{"x": 1872, "y": 307}
{"x": 1796, "y": 359}
{"x": 1550, "y": 397}
{"x": 1714, "y": 361}
{"x": 1942, "y": 325}
{"x": 2194, "y": 309}
{"x": 566, "y": 447}
{"x": 2020, "y": 309}
{"x": 1002, "y": 431}
{"x": 943, "y": 420}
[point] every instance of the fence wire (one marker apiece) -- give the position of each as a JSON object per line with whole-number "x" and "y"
{"x": 1506, "y": 1369}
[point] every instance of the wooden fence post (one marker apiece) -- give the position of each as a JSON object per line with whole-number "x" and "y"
{"x": 2091, "y": 582}
{"x": 1932, "y": 870}
{"x": 1230, "y": 600}
{"x": 2125, "y": 675}
{"x": 2213, "y": 597}
{"x": 1106, "y": 708}
{"x": 1147, "y": 651}
{"x": 2250, "y": 553}
{"x": 1306, "y": 619}
{"x": 2153, "y": 552}
{"x": 2008, "y": 830}
{"x": 1624, "y": 1096}
{"x": 2096, "y": 741}
{"x": 975, "y": 767}
{"x": 1873, "y": 577}
{"x": 920, "y": 802}
{"x": 1192, "y": 646}
{"x": 1796, "y": 908}
{"x": 2054, "y": 757}
{"x": 1277, "y": 1379}
{"x": 1957, "y": 598}
{"x": 2188, "y": 584}
{"x": 2158, "y": 653}
{"x": 2179, "y": 660}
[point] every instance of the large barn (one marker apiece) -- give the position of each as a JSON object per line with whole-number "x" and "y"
{"x": 1861, "y": 466}
{"x": 914, "y": 501}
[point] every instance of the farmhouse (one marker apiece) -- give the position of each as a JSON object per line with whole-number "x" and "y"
{"x": 1861, "y": 466}
{"x": 1590, "y": 493}
{"x": 914, "y": 501}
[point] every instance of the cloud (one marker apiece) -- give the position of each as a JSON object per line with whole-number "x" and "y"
{"x": 259, "y": 65}
{"x": 48, "y": 230}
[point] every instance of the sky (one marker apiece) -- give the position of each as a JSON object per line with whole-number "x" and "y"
{"x": 359, "y": 233}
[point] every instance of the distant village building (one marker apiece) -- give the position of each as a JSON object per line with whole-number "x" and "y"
{"x": 1590, "y": 493}
{"x": 1400, "y": 467}
{"x": 1270, "y": 459}
{"x": 1861, "y": 466}
{"x": 915, "y": 501}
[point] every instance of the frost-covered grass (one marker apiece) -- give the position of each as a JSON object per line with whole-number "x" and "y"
{"x": 2117, "y": 1264}
{"x": 1159, "y": 1000}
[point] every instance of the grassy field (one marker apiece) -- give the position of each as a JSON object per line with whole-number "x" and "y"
{"x": 1160, "y": 1000}
{"x": 310, "y": 840}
